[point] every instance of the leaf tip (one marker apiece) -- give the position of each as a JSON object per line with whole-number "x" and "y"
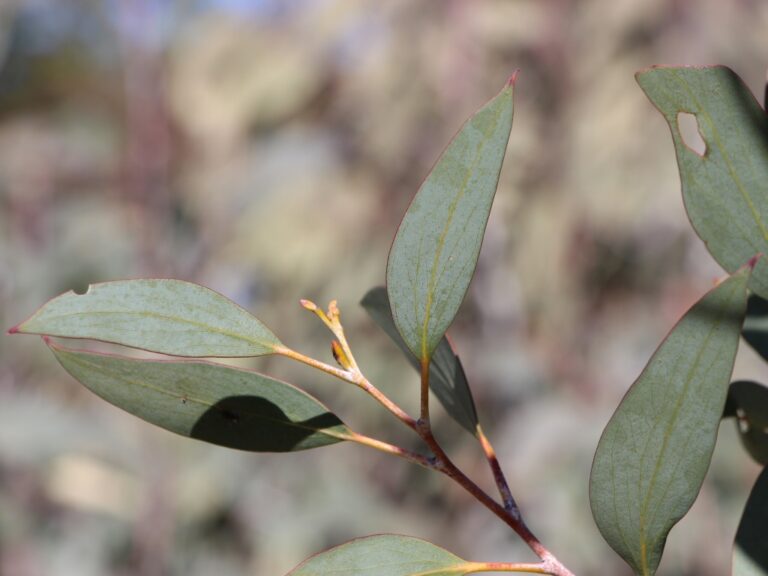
{"x": 512, "y": 79}
{"x": 14, "y": 329}
{"x": 754, "y": 260}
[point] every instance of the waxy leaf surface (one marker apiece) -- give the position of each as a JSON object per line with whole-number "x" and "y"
{"x": 654, "y": 452}
{"x": 384, "y": 555}
{"x": 446, "y": 374}
{"x": 750, "y": 551}
{"x": 211, "y": 402}
{"x": 725, "y": 190}
{"x": 434, "y": 254}
{"x": 165, "y": 316}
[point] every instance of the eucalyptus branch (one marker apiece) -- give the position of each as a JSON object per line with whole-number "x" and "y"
{"x": 353, "y": 377}
{"x": 498, "y": 474}
{"x": 441, "y": 462}
{"x": 398, "y": 451}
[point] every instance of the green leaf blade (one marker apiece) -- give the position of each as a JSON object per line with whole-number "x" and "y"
{"x": 435, "y": 251}
{"x": 383, "y": 555}
{"x": 726, "y": 190}
{"x": 166, "y": 316}
{"x": 218, "y": 404}
{"x": 447, "y": 379}
{"x": 750, "y": 551}
{"x": 656, "y": 448}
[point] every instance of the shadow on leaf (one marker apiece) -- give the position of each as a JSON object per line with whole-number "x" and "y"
{"x": 255, "y": 424}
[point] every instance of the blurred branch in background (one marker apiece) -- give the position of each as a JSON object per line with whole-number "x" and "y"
{"x": 268, "y": 149}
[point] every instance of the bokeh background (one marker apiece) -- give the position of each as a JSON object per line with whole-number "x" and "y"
{"x": 268, "y": 149}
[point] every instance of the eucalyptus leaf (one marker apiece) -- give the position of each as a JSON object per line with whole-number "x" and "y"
{"x": 750, "y": 551}
{"x": 749, "y": 401}
{"x": 725, "y": 190}
{"x": 384, "y": 555}
{"x": 446, "y": 374}
{"x": 165, "y": 316}
{"x": 755, "y": 329}
{"x": 434, "y": 254}
{"x": 655, "y": 451}
{"x": 210, "y": 402}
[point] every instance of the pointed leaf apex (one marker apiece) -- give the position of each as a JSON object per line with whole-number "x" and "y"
{"x": 512, "y": 79}
{"x": 13, "y": 330}
{"x": 754, "y": 260}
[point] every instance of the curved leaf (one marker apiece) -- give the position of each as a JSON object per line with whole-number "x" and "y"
{"x": 384, "y": 555}
{"x": 755, "y": 329}
{"x": 726, "y": 189}
{"x": 210, "y": 402}
{"x": 654, "y": 452}
{"x": 165, "y": 316}
{"x": 446, "y": 374}
{"x": 750, "y": 551}
{"x": 749, "y": 402}
{"x": 435, "y": 251}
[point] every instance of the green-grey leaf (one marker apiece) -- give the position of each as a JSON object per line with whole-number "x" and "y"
{"x": 165, "y": 316}
{"x": 750, "y": 551}
{"x": 749, "y": 401}
{"x": 755, "y": 329}
{"x": 725, "y": 190}
{"x": 434, "y": 254}
{"x": 446, "y": 374}
{"x": 384, "y": 555}
{"x": 654, "y": 452}
{"x": 211, "y": 402}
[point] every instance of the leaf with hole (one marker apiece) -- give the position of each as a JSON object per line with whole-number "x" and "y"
{"x": 750, "y": 551}
{"x": 726, "y": 189}
{"x": 210, "y": 402}
{"x": 165, "y": 316}
{"x": 446, "y": 374}
{"x": 434, "y": 254}
{"x": 654, "y": 452}
{"x": 384, "y": 555}
{"x": 749, "y": 405}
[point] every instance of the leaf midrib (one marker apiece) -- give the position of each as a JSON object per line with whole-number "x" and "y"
{"x": 83, "y": 362}
{"x": 664, "y": 446}
{"x": 177, "y": 319}
{"x": 726, "y": 158}
{"x": 441, "y": 240}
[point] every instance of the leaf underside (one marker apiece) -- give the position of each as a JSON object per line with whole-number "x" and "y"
{"x": 210, "y": 402}
{"x": 166, "y": 316}
{"x": 725, "y": 190}
{"x": 446, "y": 374}
{"x": 434, "y": 254}
{"x": 750, "y": 551}
{"x": 655, "y": 451}
{"x": 383, "y": 555}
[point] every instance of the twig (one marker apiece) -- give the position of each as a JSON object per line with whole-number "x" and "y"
{"x": 498, "y": 474}
{"x": 441, "y": 462}
{"x": 355, "y": 378}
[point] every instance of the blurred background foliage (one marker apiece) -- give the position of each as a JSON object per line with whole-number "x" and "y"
{"x": 268, "y": 149}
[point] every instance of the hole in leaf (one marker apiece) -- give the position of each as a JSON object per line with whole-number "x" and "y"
{"x": 690, "y": 133}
